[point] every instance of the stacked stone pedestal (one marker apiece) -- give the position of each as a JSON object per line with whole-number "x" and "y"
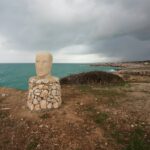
{"x": 43, "y": 94}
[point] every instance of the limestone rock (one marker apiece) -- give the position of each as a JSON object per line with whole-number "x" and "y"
{"x": 49, "y": 106}
{"x": 55, "y": 105}
{"x": 54, "y": 87}
{"x": 35, "y": 101}
{"x": 53, "y": 92}
{"x": 41, "y": 86}
{"x": 30, "y": 105}
{"x": 44, "y": 89}
{"x": 43, "y": 104}
{"x": 44, "y": 93}
{"x": 37, "y": 107}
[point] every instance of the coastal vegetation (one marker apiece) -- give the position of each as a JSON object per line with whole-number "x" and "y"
{"x": 93, "y": 77}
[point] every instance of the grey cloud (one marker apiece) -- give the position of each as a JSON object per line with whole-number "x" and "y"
{"x": 114, "y": 28}
{"x": 125, "y": 47}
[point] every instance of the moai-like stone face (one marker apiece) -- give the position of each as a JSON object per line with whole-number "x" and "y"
{"x": 44, "y": 89}
{"x": 43, "y": 64}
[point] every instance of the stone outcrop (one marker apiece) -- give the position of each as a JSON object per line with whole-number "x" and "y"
{"x": 135, "y": 72}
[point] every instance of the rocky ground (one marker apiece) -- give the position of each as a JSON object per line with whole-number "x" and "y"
{"x": 91, "y": 117}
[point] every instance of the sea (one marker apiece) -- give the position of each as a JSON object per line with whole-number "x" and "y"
{"x": 16, "y": 75}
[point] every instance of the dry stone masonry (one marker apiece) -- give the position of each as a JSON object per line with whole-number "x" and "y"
{"x": 44, "y": 89}
{"x": 43, "y": 94}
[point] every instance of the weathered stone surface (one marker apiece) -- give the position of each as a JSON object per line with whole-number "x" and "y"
{"x": 57, "y": 92}
{"x": 55, "y": 105}
{"x": 37, "y": 93}
{"x": 38, "y": 81}
{"x": 30, "y": 105}
{"x": 44, "y": 89}
{"x": 53, "y": 92}
{"x": 39, "y": 99}
{"x": 41, "y": 86}
{"x": 49, "y": 99}
{"x": 44, "y": 95}
{"x": 45, "y": 81}
{"x": 54, "y": 87}
{"x": 37, "y": 107}
{"x": 43, "y": 104}
{"x": 35, "y": 101}
{"x": 49, "y": 105}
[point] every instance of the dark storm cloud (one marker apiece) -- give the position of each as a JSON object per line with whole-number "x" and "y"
{"x": 125, "y": 47}
{"x": 114, "y": 28}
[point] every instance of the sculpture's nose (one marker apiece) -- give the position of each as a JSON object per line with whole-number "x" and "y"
{"x": 39, "y": 66}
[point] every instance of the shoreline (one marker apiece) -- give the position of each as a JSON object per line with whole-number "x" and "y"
{"x": 129, "y": 71}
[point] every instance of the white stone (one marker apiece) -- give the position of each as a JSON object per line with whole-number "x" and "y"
{"x": 58, "y": 86}
{"x": 34, "y": 88}
{"x": 35, "y": 101}
{"x": 57, "y": 99}
{"x": 54, "y": 100}
{"x": 50, "y": 92}
{"x": 53, "y": 92}
{"x": 49, "y": 106}
{"x": 37, "y": 107}
{"x": 43, "y": 104}
{"x": 3, "y": 95}
{"x": 32, "y": 96}
{"x": 45, "y": 87}
{"x": 40, "y": 86}
{"x": 37, "y": 93}
{"x": 30, "y": 105}
{"x": 44, "y": 93}
{"x": 49, "y": 99}
{"x": 51, "y": 96}
{"x": 58, "y": 92}
{"x": 39, "y": 98}
{"x": 55, "y": 105}
{"x": 54, "y": 87}
{"x": 45, "y": 81}
{"x": 60, "y": 101}
{"x": 39, "y": 81}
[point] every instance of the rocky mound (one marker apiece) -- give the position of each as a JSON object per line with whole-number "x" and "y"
{"x": 93, "y": 77}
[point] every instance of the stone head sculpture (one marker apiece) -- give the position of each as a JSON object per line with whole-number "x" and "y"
{"x": 44, "y": 89}
{"x": 43, "y": 64}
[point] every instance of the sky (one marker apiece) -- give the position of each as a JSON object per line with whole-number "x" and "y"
{"x": 75, "y": 31}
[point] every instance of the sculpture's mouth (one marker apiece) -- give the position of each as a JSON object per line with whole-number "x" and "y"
{"x": 41, "y": 74}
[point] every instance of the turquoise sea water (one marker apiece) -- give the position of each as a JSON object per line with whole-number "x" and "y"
{"x": 17, "y": 75}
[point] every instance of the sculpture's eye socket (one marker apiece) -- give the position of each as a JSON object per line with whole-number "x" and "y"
{"x": 37, "y": 61}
